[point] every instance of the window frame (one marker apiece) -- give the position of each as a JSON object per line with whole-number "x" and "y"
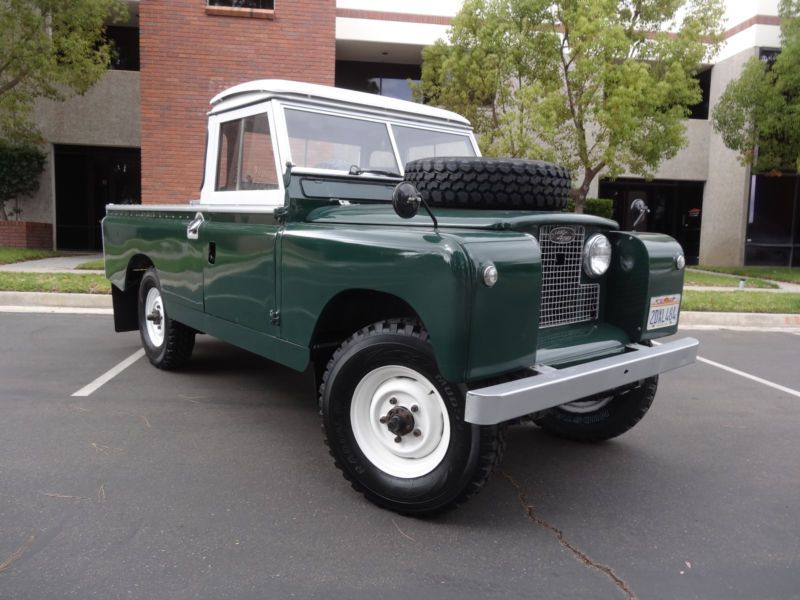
{"x": 240, "y": 11}
{"x": 388, "y": 121}
{"x": 267, "y": 198}
{"x": 285, "y": 139}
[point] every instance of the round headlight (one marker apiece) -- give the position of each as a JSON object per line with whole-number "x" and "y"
{"x": 489, "y": 275}
{"x": 597, "y": 255}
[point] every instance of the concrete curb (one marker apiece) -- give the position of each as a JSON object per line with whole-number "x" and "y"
{"x": 725, "y": 319}
{"x": 55, "y": 300}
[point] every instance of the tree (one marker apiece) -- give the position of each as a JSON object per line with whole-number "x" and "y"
{"x": 49, "y": 48}
{"x": 758, "y": 115}
{"x": 596, "y": 85}
{"x": 20, "y": 168}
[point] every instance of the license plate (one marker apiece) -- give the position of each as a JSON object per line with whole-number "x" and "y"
{"x": 663, "y": 311}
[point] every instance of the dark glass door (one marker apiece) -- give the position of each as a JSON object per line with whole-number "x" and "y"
{"x": 676, "y": 208}
{"x": 88, "y": 178}
{"x": 773, "y": 221}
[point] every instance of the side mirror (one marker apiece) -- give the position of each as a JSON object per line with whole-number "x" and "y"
{"x": 639, "y": 206}
{"x": 406, "y": 200}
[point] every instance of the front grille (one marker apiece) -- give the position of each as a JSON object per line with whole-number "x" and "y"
{"x": 565, "y": 299}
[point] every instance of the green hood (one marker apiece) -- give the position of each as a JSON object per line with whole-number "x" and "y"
{"x": 384, "y": 215}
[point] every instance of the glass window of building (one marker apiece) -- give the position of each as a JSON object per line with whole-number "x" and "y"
{"x": 267, "y": 4}
{"x": 700, "y": 110}
{"x": 124, "y": 47}
{"x": 385, "y": 79}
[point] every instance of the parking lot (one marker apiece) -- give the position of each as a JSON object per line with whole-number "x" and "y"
{"x": 213, "y": 482}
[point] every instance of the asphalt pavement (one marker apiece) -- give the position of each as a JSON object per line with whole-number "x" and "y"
{"x": 213, "y": 482}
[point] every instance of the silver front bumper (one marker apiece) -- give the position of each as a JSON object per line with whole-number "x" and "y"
{"x": 553, "y": 387}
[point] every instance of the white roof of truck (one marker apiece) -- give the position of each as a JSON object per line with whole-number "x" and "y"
{"x": 264, "y": 89}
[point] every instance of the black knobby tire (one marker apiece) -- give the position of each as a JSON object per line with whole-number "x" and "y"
{"x": 175, "y": 347}
{"x": 472, "y": 451}
{"x": 616, "y": 416}
{"x": 490, "y": 183}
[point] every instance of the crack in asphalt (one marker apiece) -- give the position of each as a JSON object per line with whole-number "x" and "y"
{"x": 17, "y": 554}
{"x": 579, "y": 554}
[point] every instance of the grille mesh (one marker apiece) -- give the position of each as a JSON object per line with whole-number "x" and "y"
{"x": 565, "y": 299}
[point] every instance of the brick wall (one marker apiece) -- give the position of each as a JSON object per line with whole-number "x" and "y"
{"x": 24, "y": 234}
{"x": 188, "y": 56}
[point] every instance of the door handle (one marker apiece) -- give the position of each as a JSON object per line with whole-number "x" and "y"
{"x": 193, "y": 228}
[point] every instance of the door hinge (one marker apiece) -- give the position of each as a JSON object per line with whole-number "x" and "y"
{"x": 275, "y": 317}
{"x": 280, "y": 214}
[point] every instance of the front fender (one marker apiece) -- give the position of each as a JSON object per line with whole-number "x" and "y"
{"x": 429, "y": 271}
{"x": 643, "y": 268}
{"x": 504, "y": 317}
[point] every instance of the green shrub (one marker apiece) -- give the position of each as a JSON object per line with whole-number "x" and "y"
{"x": 20, "y": 169}
{"x": 600, "y": 207}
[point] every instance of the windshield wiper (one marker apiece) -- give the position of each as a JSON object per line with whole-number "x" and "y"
{"x": 356, "y": 170}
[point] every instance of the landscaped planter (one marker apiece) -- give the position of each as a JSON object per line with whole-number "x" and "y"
{"x": 26, "y": 234}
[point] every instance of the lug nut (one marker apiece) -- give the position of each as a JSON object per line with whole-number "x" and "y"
{"x": 417, "y": 433}
{"x": 414, "y": 408}
{"x": 384, "y": 419}
{"x": 398, "y": 439}
{"x": 392, "y": 400}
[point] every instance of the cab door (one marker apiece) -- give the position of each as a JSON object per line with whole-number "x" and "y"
{"x": 240, "y": 229}
{"x": 239, "y": 275}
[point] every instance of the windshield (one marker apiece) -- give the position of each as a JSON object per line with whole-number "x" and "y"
{"x": 358, "y": 146}
{"x": 414, "y": 143}
{"x": 323, "y": 141}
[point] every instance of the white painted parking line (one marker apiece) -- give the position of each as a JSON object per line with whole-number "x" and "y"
{"x": 777, "y": 386}
{"x": 761, "y": 380}
{"x": 110, "y": 374}
{"x": 57, "y": 310}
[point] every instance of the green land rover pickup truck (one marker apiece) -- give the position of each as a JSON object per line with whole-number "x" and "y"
{"x": 438, "y": 295}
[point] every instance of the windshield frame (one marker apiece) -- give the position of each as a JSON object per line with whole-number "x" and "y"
{"x": 387, "y": 120}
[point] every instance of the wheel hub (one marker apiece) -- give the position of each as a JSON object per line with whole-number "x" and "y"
{"x": 154, "y": 316}
{"x": 399, "y": 421}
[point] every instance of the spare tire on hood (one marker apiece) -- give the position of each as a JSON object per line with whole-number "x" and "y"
{"x": 490, "y": 183}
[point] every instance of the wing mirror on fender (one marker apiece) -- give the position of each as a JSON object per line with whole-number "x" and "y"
{"x": 406, "y": 200}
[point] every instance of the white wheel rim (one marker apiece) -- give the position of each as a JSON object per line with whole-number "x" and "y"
{"x": 420, "y": 450}
{"x": 154, "y": 315}
{"x": 586, "y": 406}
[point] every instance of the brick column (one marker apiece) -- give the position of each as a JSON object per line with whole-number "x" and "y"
{"x": 189, "y": 55}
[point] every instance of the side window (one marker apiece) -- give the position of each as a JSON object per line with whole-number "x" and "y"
{"x": 228, "y": 156}
{"x": 246, "y": 160}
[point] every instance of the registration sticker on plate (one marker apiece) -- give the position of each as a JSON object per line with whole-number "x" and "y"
{"x": 663, "y": 311}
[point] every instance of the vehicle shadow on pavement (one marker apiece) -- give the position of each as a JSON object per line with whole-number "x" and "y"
{"x": 566, "y": 482}
{"x": 218, "y": 366}
{"x": 561, "y": 477}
